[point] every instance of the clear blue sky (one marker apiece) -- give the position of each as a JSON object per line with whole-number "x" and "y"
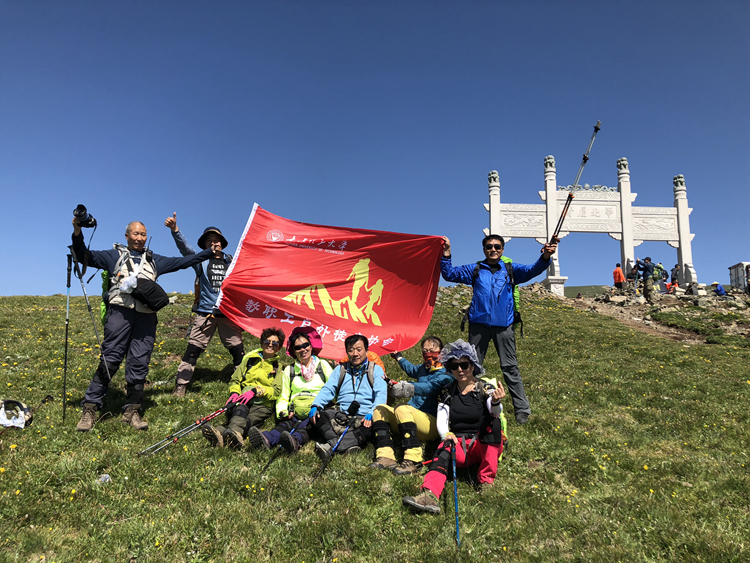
{"x": 383, "y": 115}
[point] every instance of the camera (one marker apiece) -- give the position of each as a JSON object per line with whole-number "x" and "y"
{"x": 84, "y": 219}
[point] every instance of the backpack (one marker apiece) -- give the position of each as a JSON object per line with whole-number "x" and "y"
{"x": 658, "y": 270}
{"x": 517, "y": 320}
{"x": 343, "y": 372}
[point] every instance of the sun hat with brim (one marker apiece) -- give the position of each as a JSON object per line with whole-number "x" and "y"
{"x": 461, "y": 349}
{"x": 715, "y": 283}
{"x": 311, "y": 334}
{"x": 202, "y": 240}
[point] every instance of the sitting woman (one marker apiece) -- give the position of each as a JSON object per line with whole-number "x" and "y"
{"x": 414, "y": 422}
{"x": 467, "y": 421}
{"x": 300, "y": 384}
{"x": 252, "y": 392}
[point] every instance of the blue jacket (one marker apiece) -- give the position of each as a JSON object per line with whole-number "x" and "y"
{"x": 427, "y": 387}
{"x": 492, "y": 304}
{"x": 208, "y": 295}
{"x": 366, "y": 396}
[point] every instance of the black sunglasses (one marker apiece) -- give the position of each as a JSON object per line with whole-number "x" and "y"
{"x": 274, "y": 343}
{"x": 491, "y": 246}
{"x": 455, "y": 365}
{"x": 299, "y": 347}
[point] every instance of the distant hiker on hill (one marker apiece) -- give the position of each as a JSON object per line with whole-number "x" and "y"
{"x": 491, "y": 313}
{"x": 618, "y": 276}
{"x": 207, "y": 317}
{"x": 130, "y": 325}
{"x": 718, "y": 289}
{"x": 648, "y": 277}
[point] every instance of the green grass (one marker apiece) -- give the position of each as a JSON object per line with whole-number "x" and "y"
{"x": 585, "y": 290}
{"x": 637, "y": 450}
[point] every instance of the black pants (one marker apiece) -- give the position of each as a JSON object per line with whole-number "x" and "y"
{"x": 128, "y": 335}
{"x": 505, "y": 343}
{"x": 331, "y": 424}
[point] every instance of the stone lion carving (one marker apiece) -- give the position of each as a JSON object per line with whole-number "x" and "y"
{"x": 493, "y": 177}
{"x": 679, "y": 181}
{"x": 622, "y": 164}
{"x": 549, "y": 161}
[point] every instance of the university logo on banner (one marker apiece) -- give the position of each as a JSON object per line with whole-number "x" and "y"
{"x": 340, "y": 281}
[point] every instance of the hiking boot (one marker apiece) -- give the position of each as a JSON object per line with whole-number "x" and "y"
{"x": 522, "y": 417}
{"x": 179, "y": 390}
{"x": 256, "y": 438}
{"x": 407, "y": 467}
{"x": 132, "y": 417}
{"x": 426, "y": 502}
{"x": 233, "y": 433}
{"x": 88, "y": 417}
{"x": 324, "y": 451}
{"x": 383, "y": 463}
{"x": 213, "y": 435}
{"x": 353, "y": 450}
{"x": 289, "y": 442}
{"x": 484, "y": 488}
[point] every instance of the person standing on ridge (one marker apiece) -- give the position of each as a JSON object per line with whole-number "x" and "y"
{"x": 491, "y": 313}
{"x": 207, "y": 317}
{"x": 618, "y": 276}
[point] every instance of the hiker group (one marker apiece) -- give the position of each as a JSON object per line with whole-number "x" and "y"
{"x": 451, "y": 398}
{"x": 644, "y": 275}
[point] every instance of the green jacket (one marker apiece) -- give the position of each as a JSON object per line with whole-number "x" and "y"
{"x": 254, "y": 371}
{"x": 301, "y": 393}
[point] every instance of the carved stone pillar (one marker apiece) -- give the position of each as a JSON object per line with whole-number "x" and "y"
{"x": 627, "y": 247}
{"x": 493, "y": 183}
{"x": 684, "y": 250}
{"x": 554, "y": 282}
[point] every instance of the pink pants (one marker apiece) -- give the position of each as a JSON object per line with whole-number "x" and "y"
{"x": 486, "y": 455}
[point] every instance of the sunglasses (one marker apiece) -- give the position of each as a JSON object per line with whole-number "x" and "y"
{"x": 301, "y": 346}
{"x": 491, "y": 246}
{"x": 274, "y": 343}
{"x": 455, "y": 365}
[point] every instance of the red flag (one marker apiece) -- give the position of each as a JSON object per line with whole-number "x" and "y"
{"x": 338, "y": 280}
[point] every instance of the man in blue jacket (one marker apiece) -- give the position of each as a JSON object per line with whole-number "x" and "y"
{"x": 130, "y": 326}
{"x": 207, "y": 317}
{"x": 357, "y": 386}
{"x": 492, "y": 309}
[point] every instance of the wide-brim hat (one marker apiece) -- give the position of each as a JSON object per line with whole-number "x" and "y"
{"x": 311, "y": 334}
{"x": 460, "y": 349}
{"x": 202, "y": 240}
{"x": 715, "y": 283}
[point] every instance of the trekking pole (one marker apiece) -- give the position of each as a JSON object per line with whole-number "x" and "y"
{"x": 455, "y": 493}
{"x": 67, "y": 324}
{"x": 79, "y": 275}
{"x": 47, "y": 399}
{"x": 172, "y": 438}
{"x": 333, "y": 452}
{"x": 555, "y": 237}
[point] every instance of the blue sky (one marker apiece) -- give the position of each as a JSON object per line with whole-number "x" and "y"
{"x": 381, "y": 115}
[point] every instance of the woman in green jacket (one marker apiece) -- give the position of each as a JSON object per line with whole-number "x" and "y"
{"x": 252, "y": 392}
{"x": 300, "y": 384}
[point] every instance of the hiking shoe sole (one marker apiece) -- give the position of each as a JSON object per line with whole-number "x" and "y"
{"x": 412, "y": 503}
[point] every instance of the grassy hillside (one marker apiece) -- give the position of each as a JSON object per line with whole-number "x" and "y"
{"x": 637, "y": 450}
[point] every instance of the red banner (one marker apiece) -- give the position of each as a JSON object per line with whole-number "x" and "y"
{"x": 338, "y": 280}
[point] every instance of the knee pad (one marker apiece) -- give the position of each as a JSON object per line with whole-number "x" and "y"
{"x": 240, "y": 410}
{"x": 191, "y": 354}
{"x": 100, "y": 375}
{"x": 382, "y": 431}
{"x": 442, "y": 462}
{"x": 408, "y": 431}
{"x": 237, "y": 352}
{"x": 361, "y": 434}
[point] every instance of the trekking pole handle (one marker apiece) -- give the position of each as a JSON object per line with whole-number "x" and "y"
{"x": 70, "y": 268}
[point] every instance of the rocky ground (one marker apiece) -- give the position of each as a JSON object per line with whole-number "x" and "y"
{"x": 730, "y": 315}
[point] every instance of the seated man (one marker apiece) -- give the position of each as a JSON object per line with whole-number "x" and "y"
{"x": 415, "y": 421}
{"x": 357, "y": 386}
{"x": 207, "y": 317}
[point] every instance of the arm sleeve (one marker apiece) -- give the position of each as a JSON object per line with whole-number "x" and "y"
{"x": 523, "y": 273}
{"x": 494, "y": 409}
{"x": 443, "y": 415}
{"x": 102, "y": 259}
{"x": 182, "y": 244}
{"x": 460, "y": 274}
{"x": 282, "y": 403}
{"x": 409, "y": 368}
{"x": 165, "y": 265}
{"x": 328, "y": 392}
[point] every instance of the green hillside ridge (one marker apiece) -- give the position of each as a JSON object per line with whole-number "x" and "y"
{"x": 637, "y": 450}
